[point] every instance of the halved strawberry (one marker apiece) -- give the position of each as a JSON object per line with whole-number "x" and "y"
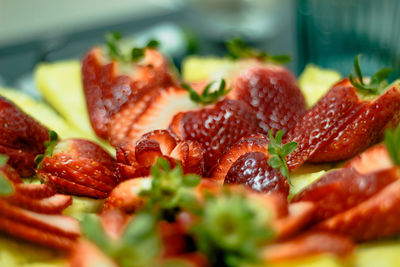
{"x": 35, "y": 190}
{"x": 216, "y": 127}
{"x": 79, "y": 167}
{"x": 48, "y": 205}
{"x": 342, "y": 189}
{"x": 21, "y": 137}
{"x": 272, "y": 92}
{"x": 191, "y": 155}
{"x": 307, "y": 244}
{"x": 373, "y": 218}
{"x": 373, "y": 159}
{"x": 109, "y": 85}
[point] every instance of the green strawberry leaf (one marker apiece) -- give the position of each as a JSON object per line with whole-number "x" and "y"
{"x": 6, "y": 186}
{"x": 238, "y": 49}
{"x": 207, "y": 97}
{"x": 392, "y": 142}
{"x": 53, "y": 140}
{"x": 377, "y": 83}
{"x": 279, "y": 152}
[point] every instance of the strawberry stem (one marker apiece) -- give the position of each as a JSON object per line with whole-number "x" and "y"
{"x": 207, "y": 97}
{"x": 377, "y": 83}
{"x": 238, "y": 49}
{"x": 279, "y": 152}
{"x": 392, "y": 142}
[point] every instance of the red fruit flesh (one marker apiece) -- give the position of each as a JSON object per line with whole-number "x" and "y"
{"x": 377, "y": 217}
{"x": 365, "y": 128}
{"x": 191, "y": 155}
{"x": 21, "y": 137}
{"x": 35, "y": 190}
{"x": 49, "y": 205}
{"x": 216, "y": 127}
{"x": 273, "y": 94}
{"x": 373, "y": 159}
{"x": 252, "y": 169}
{"x": 307, "y": 244}
{"x": 342, "y": 189}
{"x": 334, "y": 111}
{"x": 245, "y": 145}
{"x": 107, "y": 89}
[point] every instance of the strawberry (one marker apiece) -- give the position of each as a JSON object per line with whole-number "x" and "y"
{"x": 216, "y": 127}
{"x": 272, "y": 92}
{"x": 307, "y": 244}
{"x": 342, "y": 189}
{"x": 21, "y": 137}
{"x": 341, "y": 124}
{"x": 79, "y": 167}
{"x": 373, "y": 218}
{"x": 373, "y": 159}
{"x": 113, "y": 81}
{"x": 87, "y": 254}
{"x": 136, "y": 160}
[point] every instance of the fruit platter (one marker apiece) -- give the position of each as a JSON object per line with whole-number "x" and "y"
{"x": 234, "y": 162}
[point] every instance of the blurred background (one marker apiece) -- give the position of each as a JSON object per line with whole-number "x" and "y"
{"x": 327, "y": 33}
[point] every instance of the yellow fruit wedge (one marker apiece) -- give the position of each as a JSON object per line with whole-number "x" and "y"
{"x": 61, "y": 85}
{"x": 83, "y": 205}
{"x": 196, "y": 68}
{"x": 382, "y": 254}
{"x": 42, "y": 112}
{"x": 315, "y": 81}
{"x": 15, "y": 253}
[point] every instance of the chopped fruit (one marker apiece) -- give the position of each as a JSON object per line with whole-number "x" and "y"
{"x": 191, "y": 155}
{"x": 340, "y": 190}
{"x": 314, "y": 82}
{"x": 86, "y": 254}
{"x": 197, "y": 69}
{"x": 307, "y": 244}
{"x": 373, "y": 159}
{"x": 300, "y": 181}
{"x": 158, "y": 114}
{"x": 110, "y": 84}
{"x": 273, "y": 94}
{"x": 48, "y": 205}
{"x": 373, "y": 218}
{"x": 252, "y": 169}
{"x": 21, "y": 137}
{"x": 79, "y": 167}
{"x": 216, "y": 127}
{"x": 245, "y": 145}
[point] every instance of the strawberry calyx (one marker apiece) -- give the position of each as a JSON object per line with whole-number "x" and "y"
{"x": 115, "y": 51}
{"x": 375, "y": 86}
{"x": 232, "y": 229}
{"x": 279, "y": 152}
{"x": 207, "y": 97}
{"x": 50, "y": 144}
{"x": 238, "y": 49}
{"x": 392, "y": 142}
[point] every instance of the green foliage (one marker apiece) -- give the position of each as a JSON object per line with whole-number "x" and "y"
{"x": 170, "y": 190}
{"x": 232, "y": 229}
{"x": 279, "y": 152}
{"x": 238, "y": 49}
{"x": 392, "y": 142}
{"x": 6, "y": 186}
{"x": 113, "y": 41}
{"x": 207, "y": 97}
{"x": 378, "y": 81}
{"x": 53, "y": 140}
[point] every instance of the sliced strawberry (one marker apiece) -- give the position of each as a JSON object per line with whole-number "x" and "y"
{"x": 125, "y": 196}
{"x": 78, "y": 165}
{"x": 341, "y": 125}
{"x": 191, "y": 155}
{"x": 114, "y": 222}
{"x": 35, "y": 190}
{"x": 108, "y": 86}
{"x": 307, "y": 244}
{"x": 49, "y": 205}
{"x": 374, "y": 218}
{"x": 272, "y": 92}
{"x": 34, "y": 235}
{"x": 59, "y": 224}
{"x": 21, "y": 137}
{"x": 342, "y": 189}
{"x": 216, "y": 127}
{"x": 252, "y": 169}
{"x": 299, "y": 215}
{"x": 245, "y": 145}
{"x": 86, "y": 254}
{"x": 160, "y": 112}
{"x": 373, "y": 159}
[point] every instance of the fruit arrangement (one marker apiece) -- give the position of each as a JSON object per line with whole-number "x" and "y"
{"x": 238, "y": 167}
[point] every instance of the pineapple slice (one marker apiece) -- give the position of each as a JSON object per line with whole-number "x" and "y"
{"x": 61, "y": 85}
{"x": 196, "y": 68}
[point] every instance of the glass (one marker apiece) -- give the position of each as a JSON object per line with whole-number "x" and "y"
{"x": 332, "y": 33}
